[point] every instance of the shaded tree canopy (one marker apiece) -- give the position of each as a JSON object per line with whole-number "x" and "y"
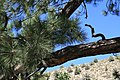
{"x": 30, "y": 29}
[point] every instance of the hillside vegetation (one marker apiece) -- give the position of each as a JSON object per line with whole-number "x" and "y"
{"x": 107, "y": 69}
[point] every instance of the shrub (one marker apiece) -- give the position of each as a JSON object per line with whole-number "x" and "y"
{"x": 106, "y": 68}
{"x": 86, "y": 77}
{"x": 116, "y": 74}
{"x": 61, "y": 67}
{"x": 77, "y": 71}
{"x": 110, "y": 59}
{"x": 87, "y": 67}
{"x": 92, "y": 63}
{"x": 62, "y": 76}
{"x": 72, "y": 65}
{"x": 42, "y": 78}
{"x": 95, "y": 60}
{"x": 69, "y": 70}
{"x": 118, "y": 57}
{"x": 83, "y": 65}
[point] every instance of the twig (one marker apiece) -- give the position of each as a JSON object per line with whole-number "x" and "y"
{"x": 38, "y": 69}
{"x": 85, "y": 10}
{"x": 5, "y": 21}
{"x": 93, "y": 33}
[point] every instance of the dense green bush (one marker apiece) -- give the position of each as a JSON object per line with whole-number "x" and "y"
{"x": 95, "y": 60}
{"x": 62, "y": 76}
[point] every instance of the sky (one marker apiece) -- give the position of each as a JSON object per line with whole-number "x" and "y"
{"x": 108, "y": 25}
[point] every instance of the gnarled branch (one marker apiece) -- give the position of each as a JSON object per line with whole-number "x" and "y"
{"x": 93, "y": 32}
{"x": 100, "y": 47}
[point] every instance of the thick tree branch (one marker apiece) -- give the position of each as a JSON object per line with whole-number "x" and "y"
{"x": 100, "y": 47}
{"x": 70, "y": 7}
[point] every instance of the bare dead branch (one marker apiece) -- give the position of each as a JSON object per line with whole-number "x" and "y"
{"x": 93, "y": 32}
{"x": 85, "y": 10}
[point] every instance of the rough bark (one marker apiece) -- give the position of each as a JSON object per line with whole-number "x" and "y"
{"x": 100, "y": 47}
{"x": 70, "y": 7}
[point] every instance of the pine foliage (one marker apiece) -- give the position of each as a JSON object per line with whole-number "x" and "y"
{"x": 28, "y": 38}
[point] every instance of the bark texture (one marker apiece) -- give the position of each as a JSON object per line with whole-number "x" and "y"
{"x": 70, "y": 7}
{"x": 100, "y": 47}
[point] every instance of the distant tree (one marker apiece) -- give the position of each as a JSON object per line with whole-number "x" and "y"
{"x": 30, "y": 30}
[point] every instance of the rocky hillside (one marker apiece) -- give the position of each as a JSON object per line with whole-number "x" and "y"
{"x": 108, "y": 69}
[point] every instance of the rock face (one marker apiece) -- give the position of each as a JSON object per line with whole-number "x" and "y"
{"x": 108, "y": 69}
